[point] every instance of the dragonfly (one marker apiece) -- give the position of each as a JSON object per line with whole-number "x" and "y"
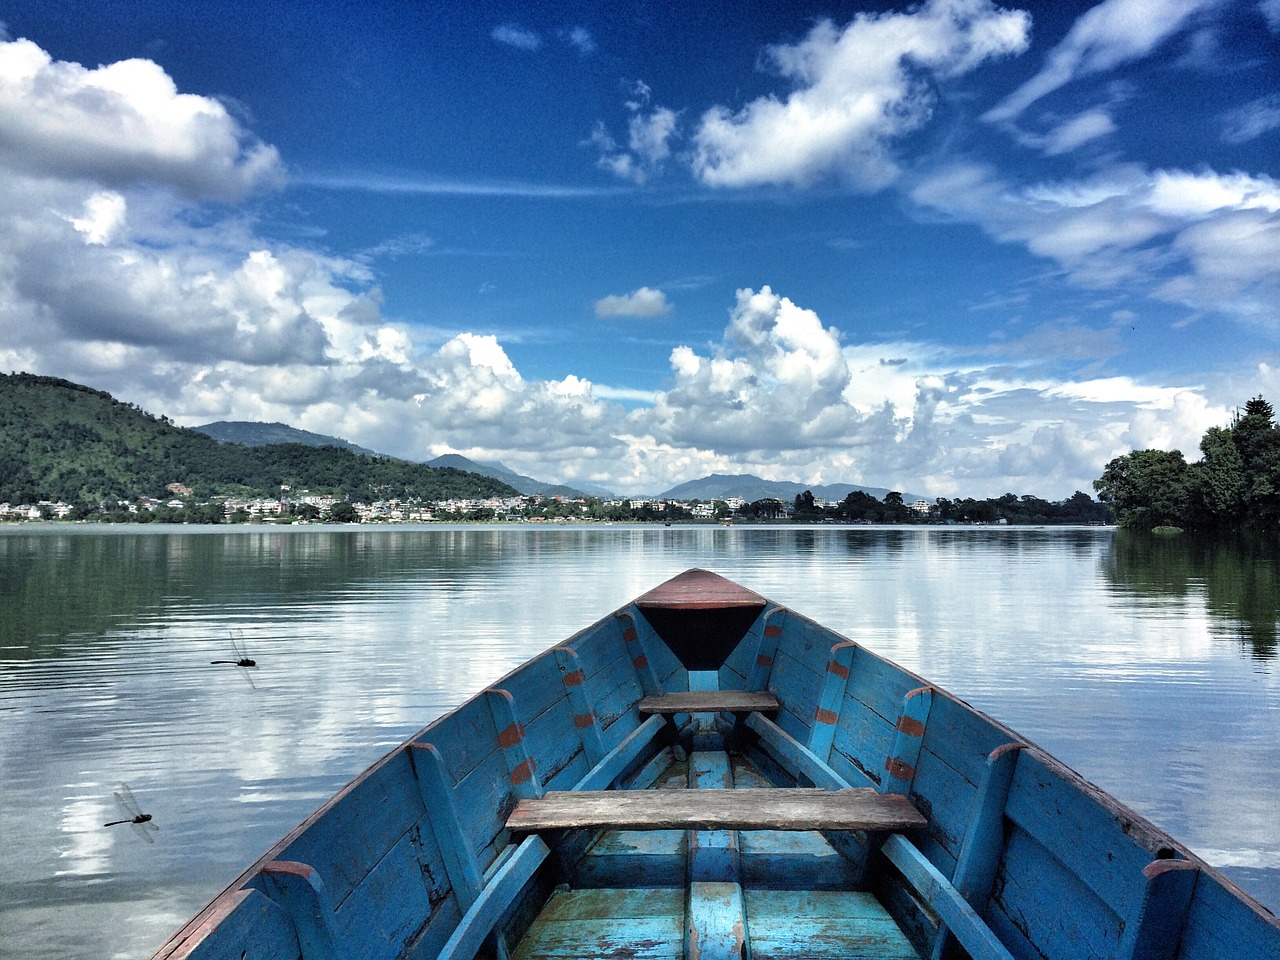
{"x": 238, "y": 648}
{"x": 141, "y": 822}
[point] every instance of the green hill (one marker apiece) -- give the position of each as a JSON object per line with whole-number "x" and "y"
{"x": 63, "y": 441}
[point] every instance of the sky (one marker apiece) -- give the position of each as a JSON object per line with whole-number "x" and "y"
{"x": 953, "y": 247}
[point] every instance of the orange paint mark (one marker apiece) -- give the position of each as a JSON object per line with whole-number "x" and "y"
{"x": 773, "y": 630}
{"x": 911, "y": 726}
{"x": 763, "y": 661}
{"x": 574, "y": 678}
{"x": 826, "y": 716}
{"x": 640, "y": 662}
{"x": 523, "y": 773}
{"x": 511, "y": 736}
{"x": 899, "y": 770}
{"x": 583, "y": 720}
{"x": 839, "y": 669}
{"x": 630, "y": 635}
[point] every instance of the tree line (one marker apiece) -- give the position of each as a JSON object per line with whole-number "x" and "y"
{"x": 1235, "y": 485}
{"x": 861, "y": 507}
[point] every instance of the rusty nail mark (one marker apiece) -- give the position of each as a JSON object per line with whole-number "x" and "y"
{"x": 911, "y": 726}
{"x": 826, "y": 716}
{"x": 574, "y": 678}
{"x": 839, "y": 669}
{"x": 511, "y": 736}
{"x": 773, "y": 630}
{"x": 640, "y": 662}
{"x": 524, "y": 772}
{"x": 763, "y": 661}
{"x": 630, "y": 635}
{"x": 583, "y": 720}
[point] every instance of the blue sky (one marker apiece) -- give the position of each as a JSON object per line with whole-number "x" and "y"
{"x": 954, "y": 247}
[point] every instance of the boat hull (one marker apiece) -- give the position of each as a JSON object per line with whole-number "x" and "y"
{"x": 990, "y": 847}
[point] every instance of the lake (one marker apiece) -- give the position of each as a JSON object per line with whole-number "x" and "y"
{"x": 1148, "y": 665}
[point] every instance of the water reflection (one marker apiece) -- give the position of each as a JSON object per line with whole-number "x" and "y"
{"x": 362, "y": 636}
{"x": 1239, "y": 578}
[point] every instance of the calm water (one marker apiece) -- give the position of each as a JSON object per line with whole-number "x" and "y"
{"x": 1149, "y": 666}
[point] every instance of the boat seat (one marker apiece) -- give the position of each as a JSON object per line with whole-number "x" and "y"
{"x": 795, "y": 808}
{"x": 711, "y": 701}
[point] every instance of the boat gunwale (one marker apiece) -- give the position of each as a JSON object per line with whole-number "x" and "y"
{"x": 1139, "y": 828}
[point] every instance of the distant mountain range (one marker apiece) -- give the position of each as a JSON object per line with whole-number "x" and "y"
{"x": 252, "y": 433}
{"x": 526, "y": 485}
{"x": 720, "y": 486}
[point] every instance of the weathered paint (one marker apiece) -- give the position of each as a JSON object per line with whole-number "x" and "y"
{"x": 1015, "y": 851}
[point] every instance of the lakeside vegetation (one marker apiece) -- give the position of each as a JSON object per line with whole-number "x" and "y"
{"x": 60, "y": 441}
{"x": 1234, "y": 486}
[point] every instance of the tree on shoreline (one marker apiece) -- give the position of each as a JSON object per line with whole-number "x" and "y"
{"x": 1235, "y": 484}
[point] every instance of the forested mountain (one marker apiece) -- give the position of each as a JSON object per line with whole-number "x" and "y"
{"x": 1235, "y": 485}
{"x": 253, "y": 433}
{"x": 720, "y": 486}
{"x": 63, "y": 441}
{"x": 526, "y": 485}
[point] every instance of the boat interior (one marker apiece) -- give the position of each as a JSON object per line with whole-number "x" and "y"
{"x": 707, "y": 775}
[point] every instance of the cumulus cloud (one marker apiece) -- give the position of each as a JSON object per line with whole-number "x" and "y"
{"x": 121, "y": 125}
{"x": 1104, "y": 37}
{"x": 644, "y": 302}
{"x": 514, "y": 35}
{"x": 856, "y": 89}
{"x": 649, "y": 134}
{"x": 1204, "y": 239}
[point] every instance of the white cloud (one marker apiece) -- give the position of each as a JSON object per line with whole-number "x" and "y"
{"x": 1206, "y": 240}
{"x": 121, "y": 125}
{"x": 1107, "y": 35}
{"x": 1072, "y": 133}
{"x": 857, "y": 88}
{"x": 644, "y": 302}
{"x": 514, "y": 35}
{"x": 581, "y": 39}
{"x": 1253, "y": 119}
{"x": 649, "y": 135}
{"x": 1271, "y": 11}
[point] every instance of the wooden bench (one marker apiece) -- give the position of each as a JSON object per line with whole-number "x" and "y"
{"x": 798, "y": 808}
{"x": 711, "y": 701}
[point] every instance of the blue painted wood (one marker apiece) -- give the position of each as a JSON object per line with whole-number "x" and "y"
{"x": 483, "y": 914}
{"x": 714, "y": 922}
{"x": 1155, "y": 929}
{"x": 1040, "y": 908}
{"x": 399, "y": 893}
{"x": 574, "y": 679}
{"x": 822, "y": 925}
{"x": 522, "y": 766}
{"x": 831, "y": 700}
{"x": 713, "y": 854}
{"x": 638, "y": 651}
{"x": 359, "y": 825}
{"x": 936, "y": 890}
{"x": 1094, "y": 839}
{"x": 1221, "y": 925}
{"x": 300, "y": 892}
{"x": 437, "y": 794}
{"x": 979, "y": 859}
{"x": 636, "y": 924}
{"x": 245, "y": 916}
{"x": 793, "y": 755}
{"x": 622, "y": 757}
{"x": 904, "y": 755}
{"x": 772, "y": 624}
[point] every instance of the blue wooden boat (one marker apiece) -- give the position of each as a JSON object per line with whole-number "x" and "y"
{"x": 706, "y": 774}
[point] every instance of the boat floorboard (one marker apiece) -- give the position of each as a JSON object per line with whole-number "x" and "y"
{"x": 629, "y": 898}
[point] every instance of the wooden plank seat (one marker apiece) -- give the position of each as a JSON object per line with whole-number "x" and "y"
{"x": 711, "y": 701}
{"x": 781, "y": 808}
